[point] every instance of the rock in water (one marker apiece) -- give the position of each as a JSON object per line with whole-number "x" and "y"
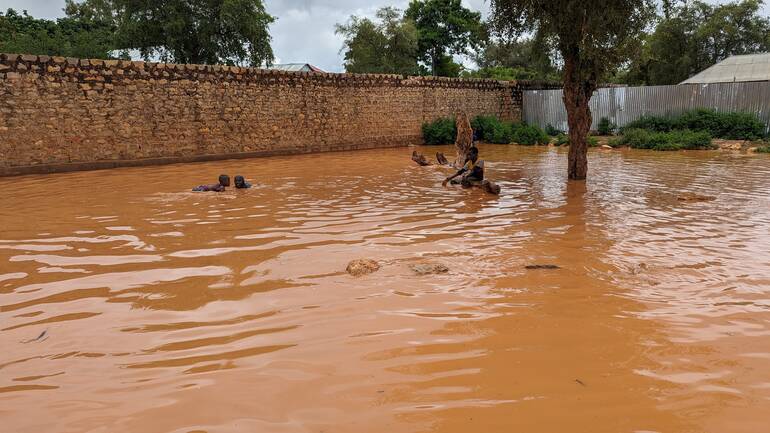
{"x": 419, "y": 158}
{"x": 464, "y": 139}
{"x": 490, "y": 187}
{"x": 360, "y": 267}
{"x": 429, "y": 268}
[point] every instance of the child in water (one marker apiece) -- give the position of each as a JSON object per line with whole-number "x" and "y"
{"x": 241, "y": 183}
{"x": 224, "y": 181}
{"x": 472, "y": 170}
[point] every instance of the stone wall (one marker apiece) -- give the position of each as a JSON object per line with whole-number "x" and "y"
{"x": 60, "y": 114}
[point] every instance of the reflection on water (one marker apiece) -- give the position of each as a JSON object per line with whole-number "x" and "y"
{"x": 129, "y": 304}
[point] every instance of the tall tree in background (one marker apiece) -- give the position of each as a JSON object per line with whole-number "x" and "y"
{"x": 71, "y": 36}
{"x": 187, "y": 31}
{"x": 517, "y": 59}
{"x": 388, "y": 46}
{"x": 445, "y": 28}
{"x": 593, "y": 38}
{"x": 692, "y": 36}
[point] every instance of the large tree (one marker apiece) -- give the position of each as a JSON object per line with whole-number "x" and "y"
{"x": 593, "y": 37}
{"x": 691, "y": 36}
{"x": 445, "y": 28}
{"x": 187, "y": 31}
{"x": 385, "y": 46}
{"x": 70, "y": 36}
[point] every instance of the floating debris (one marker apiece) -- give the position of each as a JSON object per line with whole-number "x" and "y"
{"x": 542, "y": 267}
{"x": 429, "y": 268}
{"x": 360, "y": 267}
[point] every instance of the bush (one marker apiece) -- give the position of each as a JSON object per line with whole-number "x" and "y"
{"x": 561, "y": 140}
{"x": 674, "y": 140}
{"x": 440, "y": 131}
{"x": 553, "y": 132}
{"x": 592, "y": 141}
{"x": 764, "y": 149}
{"x": 606, "y": 127}
{"x": 529, "y": 135}
{"x": 732, "y": 126}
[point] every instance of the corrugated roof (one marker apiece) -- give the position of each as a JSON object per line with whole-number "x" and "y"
{"x": 295, "y": 67}
{"x": 749, "y": 67}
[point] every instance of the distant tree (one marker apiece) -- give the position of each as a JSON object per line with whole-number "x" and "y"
{"x": 70, "y": 36}
{"x": 518, "y": 59}
{"x": 593, "y": 37}
{"x": 187, "y": 31}
{"x": 445, "y": 28}
{"x": 388, "y": 46}
{"x": 690, "y": 37}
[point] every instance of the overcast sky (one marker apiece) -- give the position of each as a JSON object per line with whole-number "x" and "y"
{"x": 303, "y": 31}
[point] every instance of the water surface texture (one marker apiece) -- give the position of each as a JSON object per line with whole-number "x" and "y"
{"x": 129, "y": 304}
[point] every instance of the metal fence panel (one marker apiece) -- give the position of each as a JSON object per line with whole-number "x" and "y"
{"x": 623, "y": 105}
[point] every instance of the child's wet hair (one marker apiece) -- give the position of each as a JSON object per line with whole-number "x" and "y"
{"x": 224, "y": 180}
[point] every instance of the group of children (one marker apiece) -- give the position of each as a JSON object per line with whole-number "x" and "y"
{"x": 224, "y": 182}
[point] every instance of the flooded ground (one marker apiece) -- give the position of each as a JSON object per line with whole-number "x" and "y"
{"x": 128, "y": 304}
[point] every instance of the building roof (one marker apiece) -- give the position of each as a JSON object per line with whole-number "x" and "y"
{"x": 295, "y": 67}
{"x": 750, "y": 67}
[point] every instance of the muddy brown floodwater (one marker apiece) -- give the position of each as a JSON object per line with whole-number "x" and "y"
{"x": 128, "y": 304}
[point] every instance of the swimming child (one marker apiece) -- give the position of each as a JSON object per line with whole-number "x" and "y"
{"x": 472, "y": 170}
{"x": 224, "y": 181}
{"x": 241, "y": 183}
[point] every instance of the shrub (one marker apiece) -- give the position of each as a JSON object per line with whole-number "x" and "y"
{"x": 553, "y": 132}
{"x": 606, "y": 127}
{"x": 529, "y": 135}
{"x": 763, "y": 149}
{"x": 615, "y": 142}
{"x": 651, "y": 123}
{"x": 440, "y": 131}
{"x": 561, "y": 140}
{"x": 592, "y": 141}
{"x": 733, "y": 126}
{"x": 674, "y": 140}
{"x": 484, "y": 126}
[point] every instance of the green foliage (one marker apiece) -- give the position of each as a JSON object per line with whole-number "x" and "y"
{"x": 561, "y": 140}
{"x": 84, "y": 37}
{"x": 606, "y": 127}
{"x": 492, "y": 130}
{"x": 194, "y": 31}
{"x": 529, "y": 135}
{"x": 502, "y": 73}
{"x": 440, "y": 131}
{"x": 388, "y": 46}
{"x": 445, "y": 28}
{"x": 673, "y": 140}
{"x": 732, "y": 126}
{"x": 519, "y": 59}
{"x": 695, "y": 35}
{"x": 592, "y": 141}
{"x": 763, "y": 149}
{"x": 553, "y": 132}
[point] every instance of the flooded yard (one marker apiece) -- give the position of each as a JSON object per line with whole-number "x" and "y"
{"x": 129, "y": 304}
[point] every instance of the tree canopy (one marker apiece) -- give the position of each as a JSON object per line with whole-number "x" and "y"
{"x": 691, "y": 36}
{"x": 194, "y": 31}
{"x": 388, "y": 46}
{"x": 445, "y": 28}
{"x": 593, "y": 38}
{"x": 70, "y": 36}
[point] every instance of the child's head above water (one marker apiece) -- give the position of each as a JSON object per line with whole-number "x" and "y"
{"x": 473, "y": 153}
{"x": 241, "y": 183}
{"x": 224, "y": 180}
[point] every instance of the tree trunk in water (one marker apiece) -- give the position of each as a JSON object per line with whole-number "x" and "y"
{"x": 464, "y": 140}
{"x": 577, "y": 93}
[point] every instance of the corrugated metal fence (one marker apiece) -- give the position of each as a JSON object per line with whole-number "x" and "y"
{"x": 625, "y": 104}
